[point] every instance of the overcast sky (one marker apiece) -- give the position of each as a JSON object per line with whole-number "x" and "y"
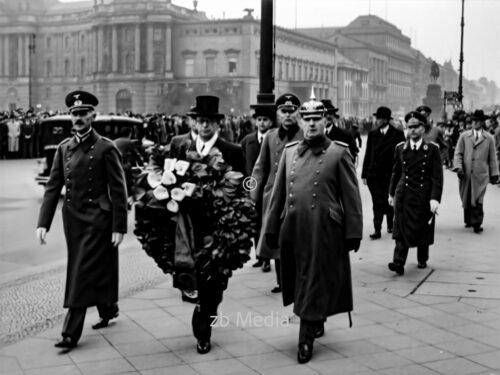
{"x": 432, "y": 25}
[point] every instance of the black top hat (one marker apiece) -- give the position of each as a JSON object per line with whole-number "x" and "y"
{"x": 330, "y": 108}
{"x": 383, "y": 113}
{"x": 265, "y": 110}
{"x": 288, "y": 100}
{"x": 415, "y": 115}
{"x": 81, "y": 100}
{"x": 479, "y": 115}
{"x": 207, "y": 106}
{"x": 424, "y": 108}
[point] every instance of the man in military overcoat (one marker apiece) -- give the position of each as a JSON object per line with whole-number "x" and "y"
{"x": 264, "y": 172}
{"x": 315, "y": 217}
{"x": 415, "y": 192}
{"x": 94, "y": 217}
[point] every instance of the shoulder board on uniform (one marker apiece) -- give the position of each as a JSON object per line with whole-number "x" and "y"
{"x": 435, "y": 144}
{"x": 106, "y": 139}
{"x": 400, "y": 143}
{"x": 291, "y": 144}
{"x": 341, "y": 143}
{"x": 65, "y": 140}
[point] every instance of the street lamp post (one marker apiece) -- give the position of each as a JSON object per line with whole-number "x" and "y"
{"x": 31, "y": 48}
{"x": 460, "y": 88}
{"x": 266, "y": 84}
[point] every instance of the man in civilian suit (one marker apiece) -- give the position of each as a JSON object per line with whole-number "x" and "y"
{"x": 377, "y": 168}
{"x": 264, "y": 116}
{"x": 333, "y": 132}
{"x": 210, "y": 288}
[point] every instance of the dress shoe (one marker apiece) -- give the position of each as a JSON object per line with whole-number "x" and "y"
{"x": 276, "y": 289}
{"x": 376, "y": 235}
{"x": 65, "y": 343}
{"x": 104, "y": 322}
{"x": 422, "y": 265}
{"x": 319, "y": 332}
{"x": 305, "y": 353}
{"x": 257, "y": 264}
{"x": 266, "y": 267}
{"x": 399, "y": 269}
{"x": 203, "y": 347}
{"x": 478, "y": 229}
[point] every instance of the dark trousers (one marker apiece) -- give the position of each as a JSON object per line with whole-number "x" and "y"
{"x": 379, "y": 190}
{"x": 75, "y": 317}
{"x": 307, "y": 330}
{"x": 401, "y": 253}
{"x": 474, "y": 215}
{"x": 209, "y": 297}
{"x": 277, "y": 266}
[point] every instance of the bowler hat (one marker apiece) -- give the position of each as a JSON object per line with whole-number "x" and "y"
{"x": 207, "y": 106}
{"x": 264, "y": 110}
{"x": 288, "y": 100}
{"x": 479, "y": 115}
{"x": 330, "y": 108}
{"x": 424, "y": 108}
{"x": 383, "y": 113}
{"x": 81, "y": 100}
{"x": 414, "y": 118}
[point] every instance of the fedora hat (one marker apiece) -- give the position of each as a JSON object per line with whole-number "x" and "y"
{"x": 384, "y": 113}
{"x": 330, "y": 108}
{"x": 479, "y": 115}
{"x": 207, "y": 106}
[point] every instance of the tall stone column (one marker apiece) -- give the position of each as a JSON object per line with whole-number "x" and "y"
{"x": 100, "y": 41}
{"x": 149, "y": 49}
{"x": 27, "y": 54}
{"x": 137, "y": 47}
{"x": 1, "y": 59}
{"x": 20, "y": 55}
{"x": 114, "y": 49}
{"x": 6, "y": 55}
{"x": 168, "y": 49}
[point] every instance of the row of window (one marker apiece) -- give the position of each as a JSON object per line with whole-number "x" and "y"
{"x": 211, "y": 66}
{"x": 303, "y": 71}
{"x": 399, "y": 91}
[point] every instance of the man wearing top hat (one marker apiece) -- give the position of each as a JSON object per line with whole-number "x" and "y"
{"x": 415, "y": 192}
{"x": 315, "y": 217}
{"x": 334, "y": 132}
{"x": 94, "y": 216}
{"x": 266, "y": 166}
{"x": 264, "y": 116}
{"x": 377, "y": 167}
{"x": 476, "y": 164}
{"x": 210, "y": 289}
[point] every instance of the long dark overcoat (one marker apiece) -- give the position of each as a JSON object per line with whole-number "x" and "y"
{"x": 264, "y": 173}
{"x": 417, "y": 177}
{"x": 478, "y": 161}
{"x": 95, "y": 205}
{"x": 315, "y": 205}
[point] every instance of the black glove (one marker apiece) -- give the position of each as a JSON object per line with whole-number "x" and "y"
{"x": 352, "y": 244}
{"x": 460, "y": 174}
{"x": 272, "y": 240}
{"x": 494, "y": 180}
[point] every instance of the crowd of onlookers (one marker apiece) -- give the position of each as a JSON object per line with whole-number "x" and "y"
{"x": 20, "y": 130}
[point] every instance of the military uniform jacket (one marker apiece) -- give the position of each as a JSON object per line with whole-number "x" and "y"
{"x": 264, "y": 173}
{"x": 95, "y": 206}
{"x": 478, "y": 161}
{"x": 417, "y": 177}
{"x": 315, "y": 205}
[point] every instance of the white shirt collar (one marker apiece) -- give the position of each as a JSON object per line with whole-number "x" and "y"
{"x": 418, "y": 144}
{"x": 479, "y": 132}
{"x": 81, "y": 137}
{"x": 194, "y": 136}
{"x": 208, "y": 144}
{"x": 384, "y": 129}
{"x": 260, "y": 136}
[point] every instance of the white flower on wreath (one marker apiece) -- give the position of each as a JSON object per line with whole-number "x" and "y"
{"x": 168, "y": 178}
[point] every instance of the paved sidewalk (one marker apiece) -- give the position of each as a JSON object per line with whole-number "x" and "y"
{"x": 441, "y": 320}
